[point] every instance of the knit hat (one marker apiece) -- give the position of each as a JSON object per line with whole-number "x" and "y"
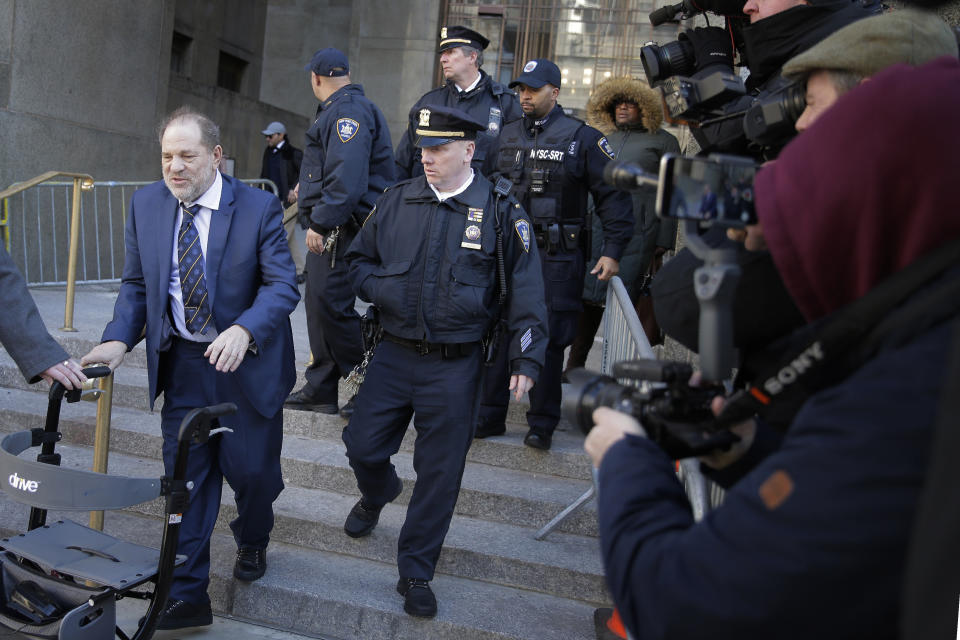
{"x": 871, "y": 44}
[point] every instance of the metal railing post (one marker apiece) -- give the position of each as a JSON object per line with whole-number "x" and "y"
{"x": 72, "y": 257}
{"x": 101, "y": 439}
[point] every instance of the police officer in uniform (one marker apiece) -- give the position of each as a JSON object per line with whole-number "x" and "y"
{"x": 468, "y": 88}
{"x": 427, "y": 257}
{"x": 554, "y": 161}
{"x": 347, "y": 163}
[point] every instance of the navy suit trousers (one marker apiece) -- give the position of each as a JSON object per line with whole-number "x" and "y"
{"x": 442, "y": 397}
{"x": 248, "y": 457}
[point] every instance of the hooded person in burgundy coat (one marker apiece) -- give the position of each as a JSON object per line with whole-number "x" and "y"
{"x": 815, "y": 533}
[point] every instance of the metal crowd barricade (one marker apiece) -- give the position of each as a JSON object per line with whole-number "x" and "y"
{"x": 625, "y": 339}
{"x": 628, "y": 341}
{"x": 38, "y": 226}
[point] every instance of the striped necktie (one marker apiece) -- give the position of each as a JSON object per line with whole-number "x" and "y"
{"x": 193, "y": 285}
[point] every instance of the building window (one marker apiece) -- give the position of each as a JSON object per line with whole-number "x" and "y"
{"x": 230, "y": 72}
{"x": 180, "y": 54}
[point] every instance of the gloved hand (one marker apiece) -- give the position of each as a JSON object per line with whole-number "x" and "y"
{"x": 711, "y": 47}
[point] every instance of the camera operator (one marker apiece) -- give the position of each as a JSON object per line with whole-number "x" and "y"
{"x": 838, "y": 63}
{"x": 778, "y": 31}
{"x": 812, "y": 539}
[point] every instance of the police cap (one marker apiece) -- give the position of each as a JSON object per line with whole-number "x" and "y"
{"x": 537, "y": 73}
{"x": 438, "y": 125}
{"x": 328, "y": 62}
{"x": 457, "y": 36}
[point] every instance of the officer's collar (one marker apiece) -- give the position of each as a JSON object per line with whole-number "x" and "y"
{"x": 480, "y": 86}
{"x": 532, "y": 125}
{"x": 339, "y": 93}
{"x": 473, "y": 196}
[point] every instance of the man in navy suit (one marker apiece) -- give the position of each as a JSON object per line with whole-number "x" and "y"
{"x": 209, "y": 281}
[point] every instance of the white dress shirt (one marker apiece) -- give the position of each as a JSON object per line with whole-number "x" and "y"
{"x": 209, "y": 202}
{"x": 443, "y": 195}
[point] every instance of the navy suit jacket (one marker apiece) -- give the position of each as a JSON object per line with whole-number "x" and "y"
{"x": 251, "y": 281}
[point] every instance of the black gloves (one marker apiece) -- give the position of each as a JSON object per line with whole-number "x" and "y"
{"x": 711, "y": 48}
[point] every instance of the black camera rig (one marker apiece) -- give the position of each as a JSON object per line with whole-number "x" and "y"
{"x": 674, "y": 414}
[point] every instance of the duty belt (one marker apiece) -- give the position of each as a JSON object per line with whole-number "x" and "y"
{"x": 553, "y": 238}
{"x": 447, "y": 350}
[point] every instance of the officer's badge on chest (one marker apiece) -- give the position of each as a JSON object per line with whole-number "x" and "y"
{"x": 471, "y": 231}
{"x": 347, "y": 128}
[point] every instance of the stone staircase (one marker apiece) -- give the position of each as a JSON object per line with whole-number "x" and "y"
{"x": 494, "y": 581}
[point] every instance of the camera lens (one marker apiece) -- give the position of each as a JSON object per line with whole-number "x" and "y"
{"x": 793, "y": 102}
{"x": 772, "y": 119}
{"x": 588, "y": 391}
{"x": 672, "y": 59}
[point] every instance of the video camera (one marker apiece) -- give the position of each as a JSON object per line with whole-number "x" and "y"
{"x": 691, "y": 99}
{"x": 714, "y": 189}
{"x": 689, "y": 8}
{"x": 675, "y": 415}
{"x": 767, "y": 123}
{"x": 687, "y": 100}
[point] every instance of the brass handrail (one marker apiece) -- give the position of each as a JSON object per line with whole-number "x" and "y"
{"x": 14, "y": 189}
{"x": 81, "y": 182}
{"x": 101, "y": 439}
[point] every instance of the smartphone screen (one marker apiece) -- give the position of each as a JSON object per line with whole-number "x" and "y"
{"x": 712, "y": 189}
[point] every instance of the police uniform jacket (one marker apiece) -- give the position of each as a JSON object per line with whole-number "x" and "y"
{"x": 433, "y": 277}
{"x": 489, "y": 102}
{"x": 571, "y": 156}
{"x": 347, "y": 161}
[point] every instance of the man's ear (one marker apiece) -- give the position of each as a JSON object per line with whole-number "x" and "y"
{"x": 471, "y": 146}
{"x": 217, "y": 155}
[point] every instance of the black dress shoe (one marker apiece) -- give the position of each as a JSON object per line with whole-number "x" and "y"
{"x": 251, "y": 564}
{"x": 418, "y": 598}
{"x": 363, "y": 518}
{"x": 347, "y": 410}
{"x": 536, "y": 440}
{"x": 180, "y": 614}
{"x": 305, "y": 402}
{"x": 487, "y": 429}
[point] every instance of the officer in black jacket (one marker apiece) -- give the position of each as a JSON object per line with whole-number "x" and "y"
{"x": 427, "y": 257}
{"x": 555, "y": 161}
{"x": 347, "y": 163}
{"x": 468, "y": 88}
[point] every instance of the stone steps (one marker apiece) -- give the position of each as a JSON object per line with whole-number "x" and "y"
{"x": 562, "y": 565}
{"x": 509, "y": 496}
{"x": 338, "y": 596}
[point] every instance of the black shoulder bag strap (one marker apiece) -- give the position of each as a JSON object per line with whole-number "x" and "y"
{"x": 827, "y": 352}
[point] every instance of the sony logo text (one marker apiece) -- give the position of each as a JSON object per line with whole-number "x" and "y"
{"x": 789, "y": 374}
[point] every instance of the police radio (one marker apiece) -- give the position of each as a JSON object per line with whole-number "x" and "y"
{"x": 538, "y": 180}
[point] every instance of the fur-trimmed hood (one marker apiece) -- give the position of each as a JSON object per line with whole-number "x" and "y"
{"x": 608, "y": 93}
